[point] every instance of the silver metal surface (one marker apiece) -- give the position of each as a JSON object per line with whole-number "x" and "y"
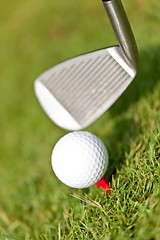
{"x": 123, "y": 31}
{"x": 78, "y": 91}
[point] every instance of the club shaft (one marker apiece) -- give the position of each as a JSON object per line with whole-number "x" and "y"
{"x": 123, "y": 31}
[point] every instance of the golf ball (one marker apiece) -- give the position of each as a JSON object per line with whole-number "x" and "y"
{"x": 80, "y": 159}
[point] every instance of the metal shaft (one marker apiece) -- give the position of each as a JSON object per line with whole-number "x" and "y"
{"x": 123, "y": 31}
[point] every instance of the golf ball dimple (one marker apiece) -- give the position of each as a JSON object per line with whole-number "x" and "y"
{"x": 80, "y": 159}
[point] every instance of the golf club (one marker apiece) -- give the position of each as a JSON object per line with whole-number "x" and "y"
{"x": 78, "y": 91}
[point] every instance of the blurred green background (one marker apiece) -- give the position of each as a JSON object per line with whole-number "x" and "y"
{"x": 34, "y": 36}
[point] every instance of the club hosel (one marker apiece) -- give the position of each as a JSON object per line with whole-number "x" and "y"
{"x": 123, "y": 31}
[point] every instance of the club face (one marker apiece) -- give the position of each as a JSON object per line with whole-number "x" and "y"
{"x": 78, "y": 91}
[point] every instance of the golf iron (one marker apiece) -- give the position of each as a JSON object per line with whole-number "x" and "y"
{"x": 78, "y": 91}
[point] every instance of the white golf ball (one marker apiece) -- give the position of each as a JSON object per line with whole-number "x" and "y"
{"x": 79, "y": 159}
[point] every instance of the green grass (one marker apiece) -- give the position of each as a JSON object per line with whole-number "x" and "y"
{"x": 35, "y": 35}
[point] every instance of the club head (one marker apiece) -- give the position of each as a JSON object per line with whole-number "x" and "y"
{"x": 78, "y": 91}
